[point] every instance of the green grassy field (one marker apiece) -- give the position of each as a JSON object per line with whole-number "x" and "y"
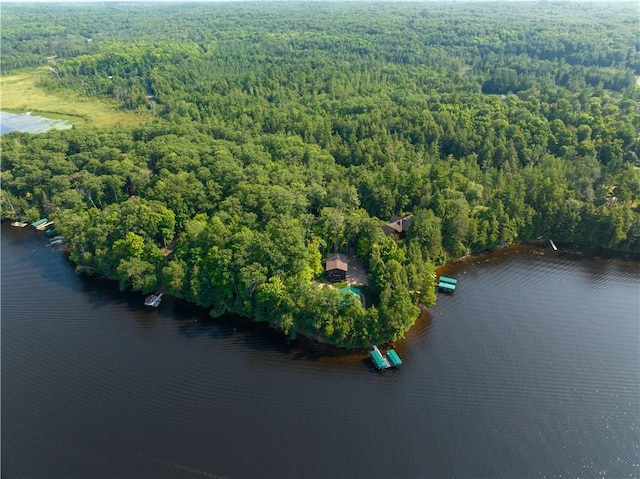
{"x": 20, "y": 92}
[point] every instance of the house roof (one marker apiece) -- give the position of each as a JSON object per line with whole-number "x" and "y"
{"x": 397, "y": 224}
{"x": 336, "y": 261}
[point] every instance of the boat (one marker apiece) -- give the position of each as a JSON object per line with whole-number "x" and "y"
{"x": 19, "y": 224}
{"x": 153, "y": 300}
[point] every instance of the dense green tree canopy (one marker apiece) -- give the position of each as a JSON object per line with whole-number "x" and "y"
{"x": 284, "y": 132}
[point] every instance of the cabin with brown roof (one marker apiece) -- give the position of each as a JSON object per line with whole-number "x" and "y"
{"x": 398, "y": 226}
{"x": 336, "y": 267}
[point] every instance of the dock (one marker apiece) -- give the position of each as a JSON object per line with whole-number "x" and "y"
{"x": 40, "y": 222}
{"x": 380, "y": 361}
{"x": 153, "y": 300}
{"x": 447, "y": 285}
{"x": 44, "y": 226}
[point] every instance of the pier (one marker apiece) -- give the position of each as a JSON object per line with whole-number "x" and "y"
{"x": 44, "y": 226}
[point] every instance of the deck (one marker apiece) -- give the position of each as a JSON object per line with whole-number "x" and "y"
{"x": 153, "y": 300}
{"x": 44, "y": 226}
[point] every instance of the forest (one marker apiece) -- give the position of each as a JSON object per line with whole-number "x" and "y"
{"x": 283, "y": 132}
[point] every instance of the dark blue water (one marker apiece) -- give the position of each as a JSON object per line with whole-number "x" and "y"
{"x": 531, "y": 370}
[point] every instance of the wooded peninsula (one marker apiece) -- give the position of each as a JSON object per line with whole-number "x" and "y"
{"x": 275, "y": 145}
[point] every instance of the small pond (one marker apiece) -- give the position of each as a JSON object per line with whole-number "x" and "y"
{"x": 28, "y": 123}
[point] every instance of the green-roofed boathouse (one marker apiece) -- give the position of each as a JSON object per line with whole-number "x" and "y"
{"x": 446, "y": 287}
{"x": 393, "y": 358}
{"x": 381, "y": 361}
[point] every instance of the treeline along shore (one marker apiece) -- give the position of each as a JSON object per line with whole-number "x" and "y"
{"x": 290, "y": 149}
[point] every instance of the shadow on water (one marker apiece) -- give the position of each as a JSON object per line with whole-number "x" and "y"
{"x": 195, "y": 322}
{"x": 368, "y": 365}
{"x": 48, "y": 261}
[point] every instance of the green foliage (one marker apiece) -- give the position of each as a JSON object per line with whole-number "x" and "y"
{"x": 285, "y": 132}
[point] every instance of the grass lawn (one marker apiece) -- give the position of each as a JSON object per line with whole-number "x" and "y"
{"x": 19, "y": 93}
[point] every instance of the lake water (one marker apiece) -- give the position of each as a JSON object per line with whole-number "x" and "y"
{"x": 29, "y": 123}
{"x": 531, "y": 370}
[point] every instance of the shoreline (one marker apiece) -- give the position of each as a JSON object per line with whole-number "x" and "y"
{"x": 314, "y": 342}
{"x": 584, "y": 250}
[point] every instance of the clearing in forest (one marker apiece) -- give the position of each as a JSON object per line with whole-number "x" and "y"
{"x": 20, "y": 93}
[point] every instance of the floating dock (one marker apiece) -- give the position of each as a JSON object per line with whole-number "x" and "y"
{"x": 380, "y": 361}
{"x": 153, "y": 300}
{"x": 447, "y": 285}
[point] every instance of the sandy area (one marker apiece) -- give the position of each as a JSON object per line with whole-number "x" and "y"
{"x": 357, "y": 273}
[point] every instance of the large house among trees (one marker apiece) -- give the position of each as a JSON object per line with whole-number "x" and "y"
{"x": 398, "y": 226}
{"x": 336, "y": 267}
